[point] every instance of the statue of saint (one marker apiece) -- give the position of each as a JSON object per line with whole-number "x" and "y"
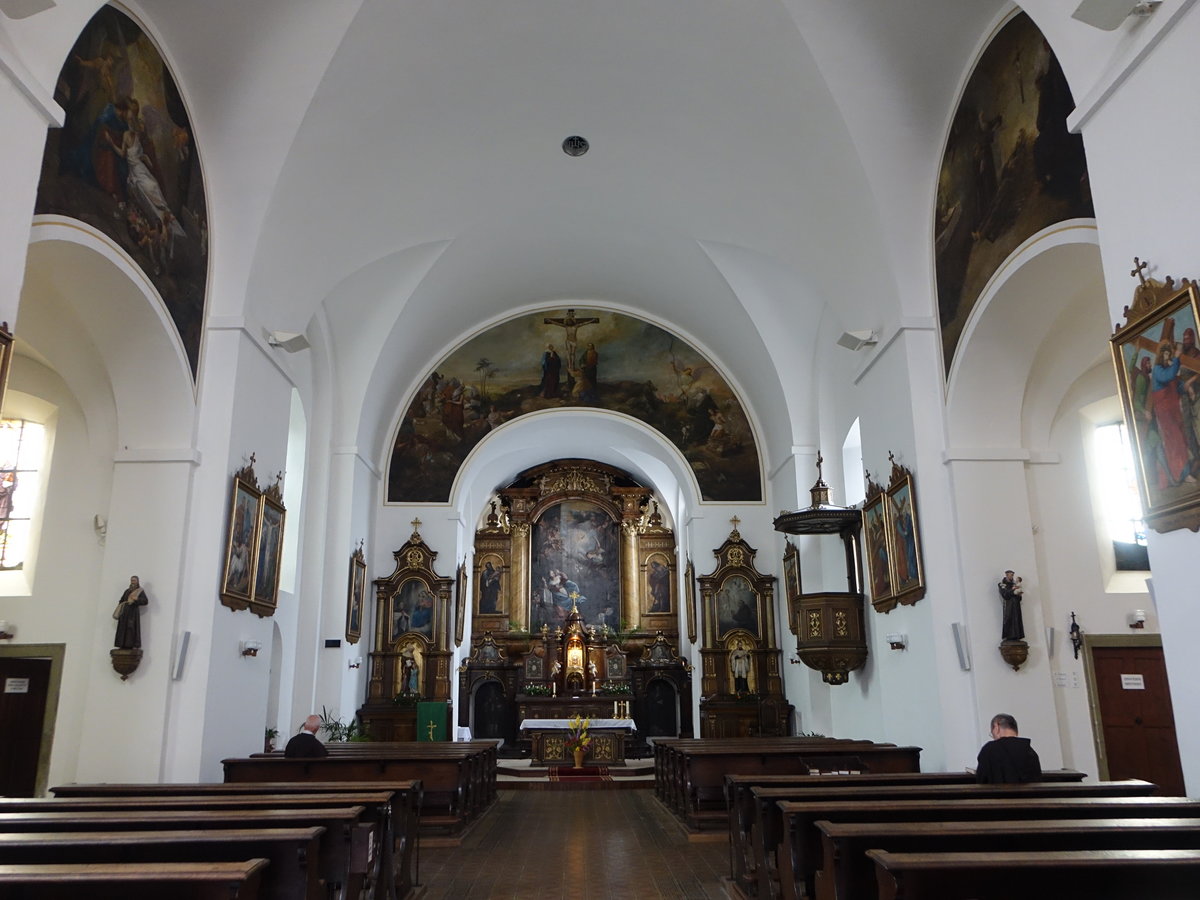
{"x": 129, "y": 624}
{"x": 1013, "y": 627}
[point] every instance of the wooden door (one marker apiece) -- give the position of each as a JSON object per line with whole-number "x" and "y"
{"x": 24, "y": 688}
{"x": 1136, "y": 722}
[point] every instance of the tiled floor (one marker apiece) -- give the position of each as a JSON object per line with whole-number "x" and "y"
{"x": 583, "y": 845}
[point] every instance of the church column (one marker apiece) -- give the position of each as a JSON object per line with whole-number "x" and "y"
{"x": 631, "y": 517}
{"x": 519, "y": 507}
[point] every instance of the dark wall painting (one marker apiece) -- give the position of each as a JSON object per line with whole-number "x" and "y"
{"x": 1011, "y": 169}
{"x": 125, "y": 162}
{"x": 574, "y": 563}
{"x": 571, "y": 358}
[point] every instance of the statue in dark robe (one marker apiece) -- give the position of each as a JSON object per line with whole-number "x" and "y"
{"x": 1013, "y": 627}
{"x": 129, "y": 623}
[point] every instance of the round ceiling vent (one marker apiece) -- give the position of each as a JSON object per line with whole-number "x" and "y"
{"x": 575, "y": 145}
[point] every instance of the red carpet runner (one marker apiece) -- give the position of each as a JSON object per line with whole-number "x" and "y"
{"x": 570, "y": 773}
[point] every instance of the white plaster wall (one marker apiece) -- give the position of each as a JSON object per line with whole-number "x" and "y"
{"x": 1145, "y": 194}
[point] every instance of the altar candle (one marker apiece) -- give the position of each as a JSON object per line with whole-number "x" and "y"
{"x": 554, "y": 689}
{"x": 593, "y": 689}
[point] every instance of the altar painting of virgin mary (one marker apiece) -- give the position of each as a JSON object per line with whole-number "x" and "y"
{"x": 574, "y": 563}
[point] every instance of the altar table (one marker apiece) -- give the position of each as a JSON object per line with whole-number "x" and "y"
{"x": 548, "y": 740}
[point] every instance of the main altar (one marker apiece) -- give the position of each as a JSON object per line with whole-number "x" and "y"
{"x": 576, "y": 610}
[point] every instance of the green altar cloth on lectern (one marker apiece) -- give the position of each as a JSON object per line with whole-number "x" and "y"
{"x": 431, "y": 713}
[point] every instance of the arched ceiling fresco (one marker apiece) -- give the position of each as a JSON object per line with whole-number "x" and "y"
{"x": 567, "y": 359}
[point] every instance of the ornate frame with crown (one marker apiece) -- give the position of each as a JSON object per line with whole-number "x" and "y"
{"x": 250, "y": 578}
{"x": 892, "y": 536}
{"x": 1158, "y": 377}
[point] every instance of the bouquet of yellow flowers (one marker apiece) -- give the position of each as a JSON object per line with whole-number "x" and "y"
{"x": 577, "y": 736}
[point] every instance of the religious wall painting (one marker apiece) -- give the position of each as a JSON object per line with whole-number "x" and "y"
{"x": 265, "y": 592}
{"x": 241, "y": 541}
{"x": 737, "y": 606}
{"x": 491, "y": 592}
{"x": 125, "y": 162}
{"x": 356, "y": 595}
{"x": 659, "y": 585}
{"x": 570, "y": 359}
{"x": 877, "y": 544}
{"x": 791, "y": 583}
{"x": 1157, "y": 361}
{"x": 535, "y": 663}
{"x": 574, "y": 563}
{"x": 412, "y": 610}
{"x": 1010, "y": 169}
{"x": 690, "y": 578}
{"x": 460, "y": 602}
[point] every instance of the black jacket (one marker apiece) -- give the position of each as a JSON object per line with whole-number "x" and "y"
{"x": 1008, "y": 760}
{"x": 304, "y": 746}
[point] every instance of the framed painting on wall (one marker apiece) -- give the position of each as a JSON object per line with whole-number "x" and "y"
{"x": 242, "y": 543}
{"x": 791, "y": 584}
{"x": 737, "y": 606}
{"x": 659, "y": 586}
{"x": 491, "y": 593}
{"x": 876, "y": 539}
{"x": 356, "y": 596}
{"x": 264, "y": 595}
{"x": 690, "y": 576}
{"x": 6, "y": 343}
{"x": 908, "y": 576}
{"x": 1157, "y": 363}
{"x": 460, "y": 602}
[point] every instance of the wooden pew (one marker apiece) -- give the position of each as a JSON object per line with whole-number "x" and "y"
{"x": 1100, "y": 874}
{"x": 291, "y": 852}
{"x": 799, "y": 853}
{"x": 377, "y": 810}
{"x": 740, "y": 802}
{"x": 768, "y": 803}
{"x": 135, "y": 881}
{"x": 847, "y": 873}
{"x": 400, "y": 855}
{"x": 347, "y": 852}
{"x": 698, "y": 768}
{"x": 458, "y": 784}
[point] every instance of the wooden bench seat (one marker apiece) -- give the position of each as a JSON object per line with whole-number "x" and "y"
{"x": 799, "y": 852}
{"x": 848, "y": 873}
{"x": 134, "y": 881}
{"x": 740, "y": 803}
{"x": 1095, "y": 874}
{"x": 406, "y": 799}
{"x": 291, "y": 852}
{"x": 348, "y": 854}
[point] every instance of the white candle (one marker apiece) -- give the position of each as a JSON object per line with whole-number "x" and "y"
{"x": 554, "y": 689}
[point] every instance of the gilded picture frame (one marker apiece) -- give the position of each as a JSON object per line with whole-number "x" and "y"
{"x": 908, "y": 572}
{"x": 1157, "y": 364}
{"x": 877, "y": 543}
{"x": 356, "y": 591}
{"x": 791, "y": 584}
{"x": 460, "y": 602}
{"x": 658, "y": 584}
{"x": 264, "y": 594}
{"x": 6, "y": 345}
{"x": 690, "y": 576}
{"x": 241, "y": 545}
{"x": 491, "y": 585}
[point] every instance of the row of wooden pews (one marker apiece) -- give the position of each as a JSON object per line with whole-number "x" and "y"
{"x": 459, "y": 779}
{"x": 204, "y": 840}
{"x": 689, "y": 773}
{"x": 940, "y": 835}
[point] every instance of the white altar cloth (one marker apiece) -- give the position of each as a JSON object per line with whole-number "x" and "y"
{"x": 530, "y": 724}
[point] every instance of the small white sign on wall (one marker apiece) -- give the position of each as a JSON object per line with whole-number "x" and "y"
{"x": 16, "y": 685}
{"x": 1133, "y": 683}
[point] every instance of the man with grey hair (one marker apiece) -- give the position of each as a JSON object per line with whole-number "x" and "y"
{"x": 1007, "y": 758}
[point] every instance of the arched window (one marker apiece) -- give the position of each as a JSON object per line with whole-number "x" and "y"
{"x": 22, "y": 460}
{"x": 1120, "y": 504}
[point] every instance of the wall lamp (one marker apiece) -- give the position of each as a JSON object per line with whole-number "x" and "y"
{"x": 355, "y": 663}
{"x": 1076, "y": 635}
{"x": 1137, "y": 618}
{"x": 251, "y": 648}
{"x": 897, "y": 641}
{"x": 291, "y": 341}
{"x": 856, "y": 340}
{"x": 6, "y": 630}
{"x": 1107, "y": 15}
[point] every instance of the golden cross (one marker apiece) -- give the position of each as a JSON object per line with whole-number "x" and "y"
{"x": 735, "y": 522}
{"x": 415, "y": 523}
{"x": 1139, "y": 266}
{"x": 432, "y": 728}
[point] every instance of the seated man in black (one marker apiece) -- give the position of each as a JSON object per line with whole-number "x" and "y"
{"x": 1007, "y": 758}
{"x": 305, "y": 744}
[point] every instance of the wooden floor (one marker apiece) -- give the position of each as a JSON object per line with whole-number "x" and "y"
{"x": 591, "y": 845}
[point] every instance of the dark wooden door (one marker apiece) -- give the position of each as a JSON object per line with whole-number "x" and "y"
{"x": 493, "y": 714}
{"x": 661, "y": 710}
{"x": 1136, "y": 720}
{"x": 24, "y": 687}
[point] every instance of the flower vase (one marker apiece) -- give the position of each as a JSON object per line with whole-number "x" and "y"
{"x": 578, "y": 751}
